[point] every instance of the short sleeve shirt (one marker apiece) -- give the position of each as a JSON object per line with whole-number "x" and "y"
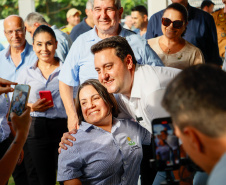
{"x": 100, "y": 157}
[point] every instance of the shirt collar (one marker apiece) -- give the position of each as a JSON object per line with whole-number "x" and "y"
{"x": 34, "y": 66}
{"x": 94, "y": 35}
{"x": 22, "y": 53}
{"x": 136, "y": 90}
{"x": 87, "y": 126}
{"x": 54, "y": 27}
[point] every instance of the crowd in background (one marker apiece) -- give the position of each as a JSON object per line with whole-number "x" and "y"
{"x": 136, "y": 61}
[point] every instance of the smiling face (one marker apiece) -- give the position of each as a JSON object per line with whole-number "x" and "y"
{"x": 169, "y": 31}
{"x": 106, "y": 17}
{"x": 94, "y": 109}
{"x": 15, "y": 31}
{"x": 112, "y": 72}
{"x": 73, "y": 20}
{"x": 44, "y": 46}
{"x": 138, "y": 19}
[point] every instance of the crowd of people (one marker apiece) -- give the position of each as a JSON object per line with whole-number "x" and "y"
{"x": 108, "y": 83}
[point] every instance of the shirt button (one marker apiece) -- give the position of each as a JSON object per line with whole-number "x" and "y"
{"x": 125, "y": 162}
{"x": 123, "y": 178}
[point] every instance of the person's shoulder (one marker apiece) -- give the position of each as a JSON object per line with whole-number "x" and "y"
{"x": 152, "y": 41}
{"x": 161, "y": 72}
{"x": 157, "y": 14}
{"x": 199, "y": 13}
{"x": 190, "y": 47}
{"x": 217, "y": 175}
{"x": 77, "y": 27}
{"x": 63, "y": 28}
{"x": 86, "y": 36}
{"x": 217, "y": 11}
{"x": 4, "y": 51}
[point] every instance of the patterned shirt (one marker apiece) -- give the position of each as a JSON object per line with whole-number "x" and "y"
{"x": 101, "y": 157}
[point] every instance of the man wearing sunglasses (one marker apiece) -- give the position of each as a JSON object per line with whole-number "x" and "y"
{"x": 201, "y": 31}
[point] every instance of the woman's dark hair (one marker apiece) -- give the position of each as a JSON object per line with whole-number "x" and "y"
{"x": 44, "y": 28}
{"x": 180, "y": 8}
{"x": 108, "y": 98}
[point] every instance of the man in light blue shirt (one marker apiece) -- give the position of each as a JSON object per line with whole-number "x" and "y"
{"x": 19, "y": 53}
{"x": 139, "y": 16}
{"x": 79, "y": 64}
{"x": 196, "y": 101}
{"x": 34, "y": 20}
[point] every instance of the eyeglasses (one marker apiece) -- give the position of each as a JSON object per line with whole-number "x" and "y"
{"x": 17, "y": 31}
{"x": 176, "y": 24}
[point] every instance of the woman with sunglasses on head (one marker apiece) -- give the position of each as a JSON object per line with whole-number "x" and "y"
{"x": 172, "y": 49}
{"x": 107, "y": 150}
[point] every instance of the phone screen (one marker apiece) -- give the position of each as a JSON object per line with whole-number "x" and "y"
{"x": 165, "y": 145}
{"x": 19, "y": 99}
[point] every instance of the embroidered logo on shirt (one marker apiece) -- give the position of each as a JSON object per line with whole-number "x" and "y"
{"x": 133, "y": 145}
{"x": 130, "y": 142}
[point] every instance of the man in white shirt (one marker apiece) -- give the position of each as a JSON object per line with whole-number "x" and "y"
{"x": 140, "y": 87}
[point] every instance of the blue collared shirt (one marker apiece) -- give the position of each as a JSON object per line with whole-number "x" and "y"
{"x": 79, "y": 64}
{"x": 137, "y": 31}
{"x": 64, "y": 43}
{"x": 217, "y": 175}
{"x": 201, "y": 32}
{"x": 1, "y": 47}
{"x": 8, "y": 70}
{"x": 100, "y": 157}
{"x": 33, "y": 76}
{"x": 4, "y": 107}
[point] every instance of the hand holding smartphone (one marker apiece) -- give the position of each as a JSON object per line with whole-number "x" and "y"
{"x": 19, "y": 99}
{"x": 47, "y": 95}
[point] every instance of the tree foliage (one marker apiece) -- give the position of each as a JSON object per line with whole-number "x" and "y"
{"x": 55, "y": 11}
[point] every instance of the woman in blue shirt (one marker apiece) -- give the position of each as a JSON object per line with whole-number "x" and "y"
{"x": 107, "y": 151}
{"x": 49, "y": 122}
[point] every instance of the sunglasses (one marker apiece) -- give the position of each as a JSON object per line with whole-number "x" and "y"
{"x": 176, "y": 24}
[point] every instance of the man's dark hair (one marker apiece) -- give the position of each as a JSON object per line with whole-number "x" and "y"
{"x": 141, "y": 9}
{"x": 120, "y": 44}
{"x": 197, "y": 98}
{"x": 44, "y": 29}
{"x": 207, "y": 3}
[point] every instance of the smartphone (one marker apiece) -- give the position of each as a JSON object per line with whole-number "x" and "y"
{"x": 165, "y": 145}
{"x": 47, "y": 95}
{"x": 19, "y": 99}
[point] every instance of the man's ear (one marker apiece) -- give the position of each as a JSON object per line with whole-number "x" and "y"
{"x": 145, "y": 17}
{"x": 120, "y": 13}
{"x": 36, "y": 24}
{"x": 129, "y": 61}
{"x": 195, "y": 139}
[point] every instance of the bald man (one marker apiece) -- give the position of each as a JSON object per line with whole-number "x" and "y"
{"x": 19, "y": 53}
{"x": 13, "y": 59}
